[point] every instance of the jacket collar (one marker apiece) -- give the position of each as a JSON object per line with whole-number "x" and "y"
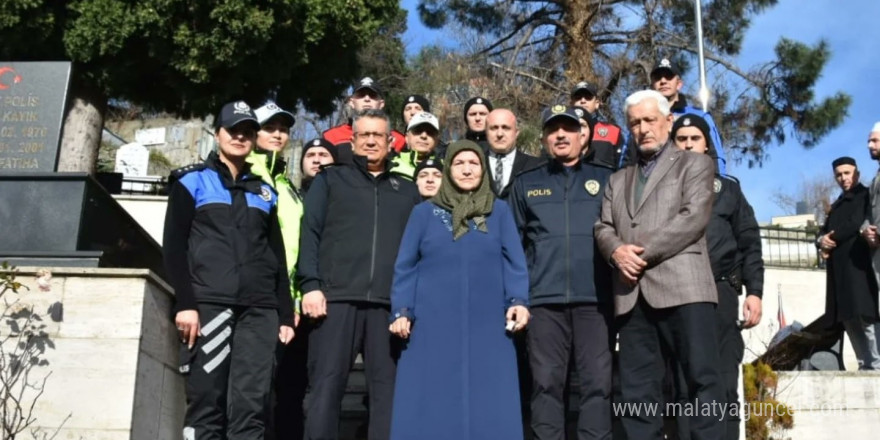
{"x": 555, "y": 167}
{"x": 360, "y": 162}
{"x": 680, "y": 104}
{"x": 246, "y": 181}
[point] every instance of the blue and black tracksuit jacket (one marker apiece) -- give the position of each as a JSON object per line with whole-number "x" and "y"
{"x": 555, "y": 208}
{"x": 222, "y": 242}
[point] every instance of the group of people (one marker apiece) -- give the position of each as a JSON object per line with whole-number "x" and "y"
{"x": 848, "y": 241}
{"x": 471, "y": 277}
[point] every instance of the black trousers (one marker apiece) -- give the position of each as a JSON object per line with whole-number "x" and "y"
{"x": 648, "y": 337}
{"x": 334, "y": 342}
{"x": 559, "y": 336}
{"x": 730, "y": 351}
{"x": 228, "y": 373}
{"x": 291, "y": 383}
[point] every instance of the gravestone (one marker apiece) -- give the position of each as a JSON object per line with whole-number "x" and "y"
{"x": 150, "y": 136}
{"x": 32, "y": 99}
{"x": 132, "y": 160}
{"x": 50, "y": 218}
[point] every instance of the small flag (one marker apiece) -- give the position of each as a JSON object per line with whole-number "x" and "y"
{"x": 780, "y": 314}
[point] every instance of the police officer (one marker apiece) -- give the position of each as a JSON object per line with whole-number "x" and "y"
{"x": 666, "y": 79}
{"x": 555, "y": 207}
{"x": 413, "y": 105}
{"x": 476, "y": 110}
{"x": 224, "y": 256}
{"x": 734, "y": 243}
{"x": 366, "y": 95}
{"x": 316, "y": 155}
{"x": 607, "y": 141}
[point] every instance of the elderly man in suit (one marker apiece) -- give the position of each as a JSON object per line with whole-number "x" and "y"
{"x": 505, "y": 162}
{"x": 652, "y": 230}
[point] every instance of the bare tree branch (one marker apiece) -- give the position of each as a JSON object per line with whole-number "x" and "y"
{"x": 528, "y": 75}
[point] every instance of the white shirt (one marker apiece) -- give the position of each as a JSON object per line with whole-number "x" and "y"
{"x": 506, "y": 164}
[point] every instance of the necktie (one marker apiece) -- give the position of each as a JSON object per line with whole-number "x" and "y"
{"x": 499, "y": 174}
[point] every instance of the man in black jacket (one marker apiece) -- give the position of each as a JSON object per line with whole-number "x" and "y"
{"x": 353, "y": 222}
{"x": 734, "y": 242}
{"x": 555, "y": 207}
{"x": 851, "y": 288}
{"x": 505, "y": 161}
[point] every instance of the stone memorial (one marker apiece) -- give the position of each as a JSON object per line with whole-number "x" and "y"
{"x": 150, "y": 136}
{"x": 51, "y": 218}
{"x": 132, "y": 160}
{"x": 32, "y": 98}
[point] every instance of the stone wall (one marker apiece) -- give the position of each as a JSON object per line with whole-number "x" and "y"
{"x": 114, "y": 362}
{"x": 830, "y": 404}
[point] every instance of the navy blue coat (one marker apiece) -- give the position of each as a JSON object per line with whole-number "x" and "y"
{"x": 457, "y": 375}
{"x": 555, "y": 210}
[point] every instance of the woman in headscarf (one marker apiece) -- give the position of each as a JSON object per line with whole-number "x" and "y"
{"x": 460, "y": 289}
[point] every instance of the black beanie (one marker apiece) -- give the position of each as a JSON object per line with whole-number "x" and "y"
{"x": 474, "y": 101}
{"x": 584, "y": 115}
{"x": 318, "y": 142}
{"x": 692, "y": 120}
{"x": 418, "y": 99}
{"x": 427, "y": 163}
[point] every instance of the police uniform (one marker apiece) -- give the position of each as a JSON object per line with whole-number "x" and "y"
{"x": 555, "y": 208}
{"x": 224, "y": 255}
{"x": 733, "y": 240}
{"x": 734, "y": 243}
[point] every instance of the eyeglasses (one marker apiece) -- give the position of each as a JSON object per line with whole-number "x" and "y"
{"x": 424, "y": 128}
{"x": 371, "y": 134}
{"x": 360, "y": 94}
{"x": 665, "y": 74}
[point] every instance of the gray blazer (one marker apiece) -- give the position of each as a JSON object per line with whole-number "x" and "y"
{"x": 669, "y": 222}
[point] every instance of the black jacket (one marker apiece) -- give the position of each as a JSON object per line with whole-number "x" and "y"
{"x": 555, "y": 209}
{"x": 851, "y": 289}
{"x": 734, "y": 239}
{"x": 222, "y": 243}
{"x": 351, "y": 229}
{"x": 522, "y": 162}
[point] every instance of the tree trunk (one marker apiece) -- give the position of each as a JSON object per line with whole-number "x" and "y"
{"x": 83, "y": 124}
{"x": 578, "y": 45}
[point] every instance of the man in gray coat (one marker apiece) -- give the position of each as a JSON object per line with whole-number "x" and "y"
{"x": 652, "y": 230}
{"x": 869, "y": 228}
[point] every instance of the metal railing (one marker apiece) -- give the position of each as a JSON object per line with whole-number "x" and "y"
{"x": 147, "y": 185}
{"x": 793, "y": 248}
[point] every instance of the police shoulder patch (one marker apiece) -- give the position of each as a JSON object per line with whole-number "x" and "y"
{"x": 180, "y": 172}
{"x": 730, "y": 178}
{"x": 265, "y": 194}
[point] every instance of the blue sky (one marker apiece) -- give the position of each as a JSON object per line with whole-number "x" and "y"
{"x": 854, "y": 68}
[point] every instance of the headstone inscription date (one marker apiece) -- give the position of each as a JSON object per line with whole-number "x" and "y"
{"x": 32, "y": 102}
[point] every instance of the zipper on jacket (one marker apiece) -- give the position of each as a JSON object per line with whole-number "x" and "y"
{"x": 375, "y": 234}
{"x": 567, "y": 239}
